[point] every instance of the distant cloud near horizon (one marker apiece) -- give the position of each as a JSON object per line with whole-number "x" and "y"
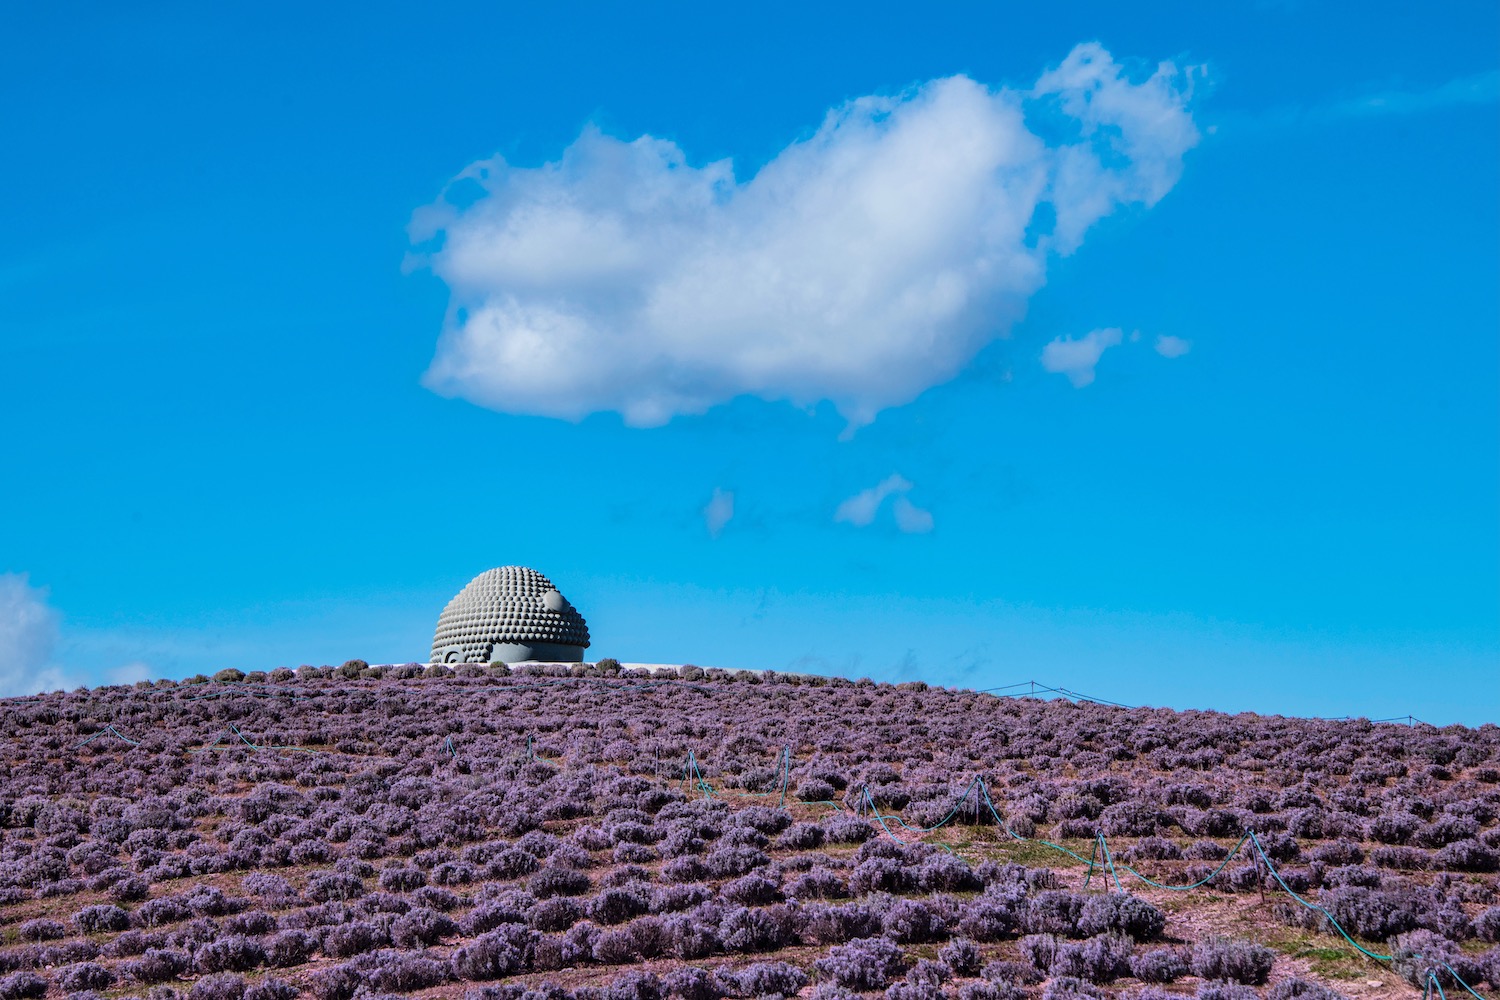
{"x": 28, "y": 636}
{"x": 861, "y": 265}
{"x": 30, "y": 633}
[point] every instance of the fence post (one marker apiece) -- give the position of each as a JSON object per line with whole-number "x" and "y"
{"x": 1260, "y": 882}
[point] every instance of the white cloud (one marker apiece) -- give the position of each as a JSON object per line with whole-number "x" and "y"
{"x": 1169, "y": 346}
{"x": 28, "y": 635}
{"x": 861, "y": 265}
{"x": 1077, "y": 358}
{"x": 719, "y": 510}
{"x": 860, "y": 509}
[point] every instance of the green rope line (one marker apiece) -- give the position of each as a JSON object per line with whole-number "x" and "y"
{"x": 1432, "y": 980}
{"x": 875, "y": 811}
{"x": 108, "y": 730}
{"x": 1109, "y": 859}
{"x": 999, "y": 821}
{"x": 784, "y": 768}
{"x": 1310, "y": 905}
{"x": 1101, "y": 845}
{"x": 1456, "y": 978}
{"x": 958, "y": 804}
{"x": 235, "y": 730}
{"x": 786, "y": 773}
{"x": 1191, "y": 885}
{"x": 783, "y": 771}
{"x": 532, "y": 756}
{"x": 692, "y": 774}
{"x": 1093, "y": 855}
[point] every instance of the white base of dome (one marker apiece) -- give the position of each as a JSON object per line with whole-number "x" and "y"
{"x": 510, "y": 652}
{"x": 547, "y": 652}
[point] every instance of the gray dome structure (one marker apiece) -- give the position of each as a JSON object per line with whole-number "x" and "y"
{"x": 510, "y": 614}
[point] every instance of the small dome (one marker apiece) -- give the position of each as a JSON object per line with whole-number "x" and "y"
{"x": 511, "y": 610}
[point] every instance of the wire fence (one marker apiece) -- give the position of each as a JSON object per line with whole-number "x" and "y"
{"x": 1033, "y": 687}
{"x": 1036, "y": 689}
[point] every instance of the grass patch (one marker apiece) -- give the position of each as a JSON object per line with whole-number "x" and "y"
{"x": 1324, "y": 958}
{"x": 1034, "y": 854}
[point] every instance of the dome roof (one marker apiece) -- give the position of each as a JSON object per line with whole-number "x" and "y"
{"x": 511, "y": 604}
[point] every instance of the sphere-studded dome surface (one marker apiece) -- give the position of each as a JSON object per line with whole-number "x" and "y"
{"x": 511, "y": 604}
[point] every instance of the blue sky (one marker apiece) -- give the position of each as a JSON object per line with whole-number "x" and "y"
{"x": 1150, "y": 354}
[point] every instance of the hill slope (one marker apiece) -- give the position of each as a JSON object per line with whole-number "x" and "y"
{"x": 730, "y": 835}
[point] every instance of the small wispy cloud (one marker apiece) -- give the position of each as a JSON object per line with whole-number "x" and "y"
{"x": 718, "y": 511}
{"x": 1077, "y": 358}
{"x": 1476, "y": 89}
{"x": 1169, "y": 346}
{"x": 861, "y": 509}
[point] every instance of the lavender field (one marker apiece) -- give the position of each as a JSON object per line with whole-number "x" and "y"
{"x": 411, "y": 831}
